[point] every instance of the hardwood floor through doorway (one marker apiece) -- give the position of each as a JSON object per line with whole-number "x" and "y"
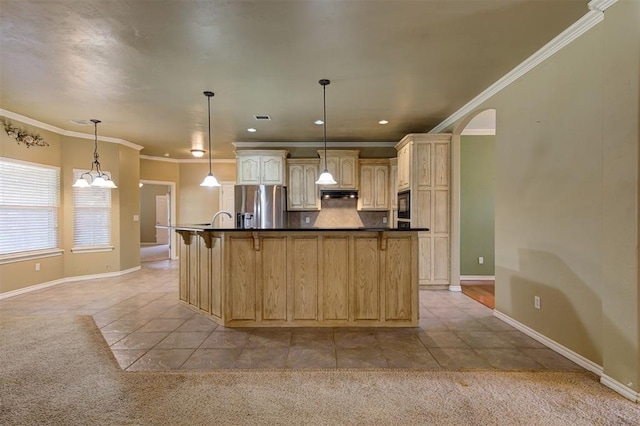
{"x": 481, "y": 291}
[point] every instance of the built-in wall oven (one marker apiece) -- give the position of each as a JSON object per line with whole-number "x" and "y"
{"x": 404, "y": 210}
{"x": 404, "y": 205}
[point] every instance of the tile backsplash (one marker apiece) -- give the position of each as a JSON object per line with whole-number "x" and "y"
{"x": 338, "y": 213}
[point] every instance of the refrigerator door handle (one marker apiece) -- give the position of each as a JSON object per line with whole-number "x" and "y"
{"x": 257, "y": 202}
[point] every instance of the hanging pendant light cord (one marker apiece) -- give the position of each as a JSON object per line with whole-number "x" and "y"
{"x": 209, "y": 116}
{"x": 95, "y": 147}
{"x": 324, "y": 120}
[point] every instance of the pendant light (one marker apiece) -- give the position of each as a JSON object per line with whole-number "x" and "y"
{"x": 325, "y": 177}
{"x": 210, "y": 180}
{"x": 97, "y": 179}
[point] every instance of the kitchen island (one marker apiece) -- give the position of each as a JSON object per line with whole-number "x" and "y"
{"x": 362, "y": 277}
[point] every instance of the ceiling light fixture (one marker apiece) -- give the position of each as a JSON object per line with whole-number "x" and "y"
{"x": 383, "y": 122}
{"x": 251, "y": 130}
{"x": 197, "y": 152}
{"x": 318, "y": 122}
{"x": 97, "y": 179}
{"x": 210, "y": 180}
{"x": 325, "y": 178}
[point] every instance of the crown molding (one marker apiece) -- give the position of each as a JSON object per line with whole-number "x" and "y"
{"x": 63, "y": 132}
{"x": 313, "y": 144}
{"x": 188, "y": 160}
{"x": 582, "y": 25}
{"x": 478, "y": 132}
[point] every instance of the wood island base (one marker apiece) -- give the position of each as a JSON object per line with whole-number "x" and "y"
{"x": 310, "y": 278}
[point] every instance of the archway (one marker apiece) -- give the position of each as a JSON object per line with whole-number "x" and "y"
{"x": 472, "y": 205}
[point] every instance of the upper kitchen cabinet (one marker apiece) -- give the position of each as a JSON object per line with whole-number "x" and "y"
{"x": 393, "y": 183}
{"x": 303, "y": 193}
{"x": 261, "y": 167}
{"x": 343, "y": 166}
{"x": 374, "y": 185}
{"x": 405, "y": 154}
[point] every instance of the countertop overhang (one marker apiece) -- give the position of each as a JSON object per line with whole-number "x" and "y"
{"x": 207, "y": 227}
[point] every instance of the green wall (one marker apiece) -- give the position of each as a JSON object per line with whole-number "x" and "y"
{"x": 477, "y": 180}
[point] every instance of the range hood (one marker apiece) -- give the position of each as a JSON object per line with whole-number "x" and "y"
{"x": 338, "y": 193}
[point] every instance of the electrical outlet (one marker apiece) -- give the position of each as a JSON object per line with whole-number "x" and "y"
{"x": 136, "y": 218}
{"x": 536, "y": 302}
{"x": 307, "y": 220}
{"x": 37, "y": 266}
{"x": 481, "y": 260}
{"x": 384, "y": 219}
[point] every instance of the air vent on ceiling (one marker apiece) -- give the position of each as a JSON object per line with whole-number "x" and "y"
{"x": 81, "y": 122}
{"x": 262, "y": 117}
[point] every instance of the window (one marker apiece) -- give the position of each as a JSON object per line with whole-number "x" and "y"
{"x": 91, "y": 218}
{"x": 29, "y": 202}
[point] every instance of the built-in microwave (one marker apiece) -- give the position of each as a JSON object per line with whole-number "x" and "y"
{"x": 404, "y": 205}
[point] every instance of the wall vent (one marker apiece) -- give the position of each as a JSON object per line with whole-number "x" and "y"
{"x": 262, "y": 117}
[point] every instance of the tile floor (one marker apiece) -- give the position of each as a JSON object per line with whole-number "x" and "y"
{"x": 148, "y": 329}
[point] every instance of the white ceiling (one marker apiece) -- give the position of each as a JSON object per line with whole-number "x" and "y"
{"x": 141, "y": 66}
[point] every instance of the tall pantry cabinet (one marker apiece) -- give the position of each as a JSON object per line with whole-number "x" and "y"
{"x": 424, "y": 169}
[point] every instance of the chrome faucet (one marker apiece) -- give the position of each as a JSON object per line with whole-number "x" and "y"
{"x": 219, "y": 213}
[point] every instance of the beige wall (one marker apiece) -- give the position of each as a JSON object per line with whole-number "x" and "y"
{"x": 567, "y": 194}
{"x": 197, "y": 204}
{"x": 23, "y": 274}
{"x": 77, "y": 153}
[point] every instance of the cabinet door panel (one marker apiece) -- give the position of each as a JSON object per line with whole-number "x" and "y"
{"x": 441, "y": 164}
{"x": 216, "y": 277}
{"x": 241, "y": 277}
{"x": 248, "y": 171}
{"x": 336, "y": 278}
{"x": 424, "y": 164}
{"x": 348, "y": 168}
{"x": 398, "y": 279}
{"x": 274, "y": 278}
{"x": 367, "y": 291}
{"x": 366, "y": 193}
{"x": 296, "y": 187}
{"x": 381, "y": 192}
{"x": 204, "y": 280}
{"x": 311, "y": 199}
{"x": 305, "y": 278}
{"x": 271, "y": 171}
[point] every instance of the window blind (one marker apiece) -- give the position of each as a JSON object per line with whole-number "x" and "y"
{"x": 29, "y": 202}
{"x": 91, "y": 215}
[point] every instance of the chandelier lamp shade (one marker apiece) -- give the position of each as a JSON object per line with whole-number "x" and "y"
{"x": 210, "y": 180}
{"x": 325, "y": 177}
{"x": 95, "y": 177}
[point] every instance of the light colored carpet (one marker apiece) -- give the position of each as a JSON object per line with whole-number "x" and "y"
{"x": 59, "y": 370}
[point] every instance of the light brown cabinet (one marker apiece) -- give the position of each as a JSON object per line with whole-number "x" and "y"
{"x": 260, "y": 167}
{"x": 424, "y": 160}
{"x": 343, "y": 165}
{"x": 374, "y": 184}
{"x": 303, "y": 192}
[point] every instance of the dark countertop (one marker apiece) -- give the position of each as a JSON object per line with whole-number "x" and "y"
{"x": 207, "y": 227}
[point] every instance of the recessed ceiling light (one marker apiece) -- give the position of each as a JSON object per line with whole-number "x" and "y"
{"x": 166, "y": 154}
{"x": 197, "y": 152}
{"x": 251, "y": 129}
{"x": 383, "y": 122}
{"x": 319, "y": 122}
{"x": 81, "y": 122}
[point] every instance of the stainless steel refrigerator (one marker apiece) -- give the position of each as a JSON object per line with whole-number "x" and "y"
{"x": 261, "y": 206}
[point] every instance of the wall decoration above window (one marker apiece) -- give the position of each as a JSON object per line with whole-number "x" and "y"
{"x": 22, "y": 136}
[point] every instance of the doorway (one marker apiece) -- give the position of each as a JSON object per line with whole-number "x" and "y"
{"x": 157, "y": 209}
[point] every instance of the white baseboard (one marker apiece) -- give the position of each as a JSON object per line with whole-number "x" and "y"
{"x": 36, "y": 287}
{"x": 455, "y": 287}
{"x": 623, "y": 390}
{"x": 551, "y": 344}
{"x": 583, "y": 362}
{"x": 477, "y": 278}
